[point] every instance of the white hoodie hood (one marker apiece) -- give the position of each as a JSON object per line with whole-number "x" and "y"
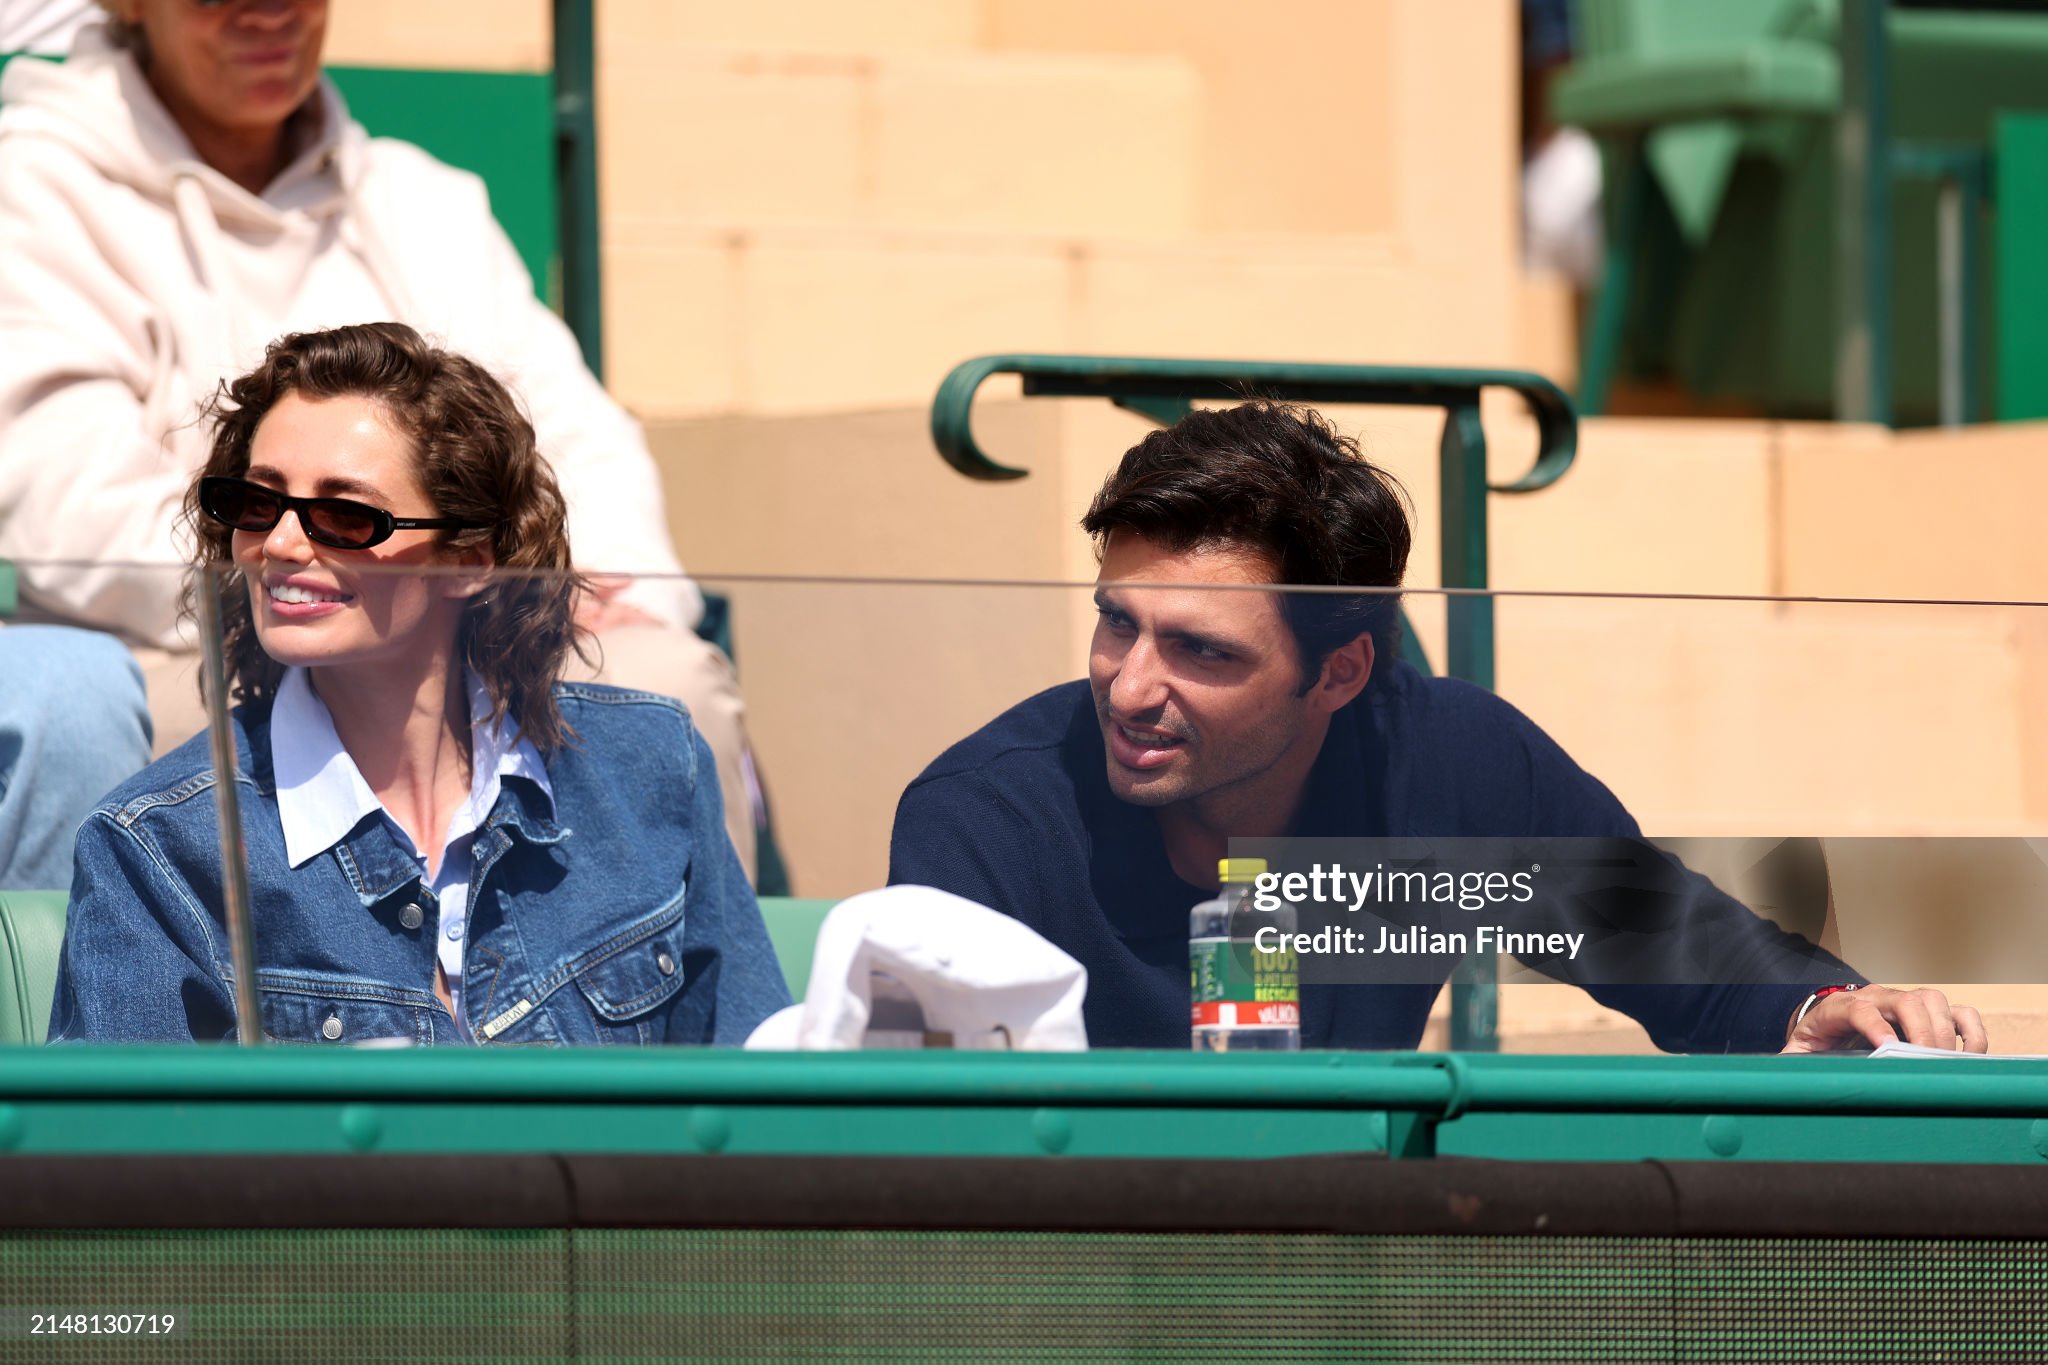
{"x": 134, "y": 278}
{"x": 100, "y": 106}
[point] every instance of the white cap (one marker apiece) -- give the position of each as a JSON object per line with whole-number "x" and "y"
{"x": 912, "y": 966}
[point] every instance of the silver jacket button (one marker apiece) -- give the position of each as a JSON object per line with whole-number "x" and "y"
{"x": 331, "y": 1029}
{"x": 666, "y": 963}
{"x": 411, "y": 917}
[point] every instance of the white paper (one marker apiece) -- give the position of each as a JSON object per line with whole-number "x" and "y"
{"x": 1898, "y": 1049}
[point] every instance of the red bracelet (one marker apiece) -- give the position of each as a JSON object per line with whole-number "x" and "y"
{"x": 1823, "y": 993}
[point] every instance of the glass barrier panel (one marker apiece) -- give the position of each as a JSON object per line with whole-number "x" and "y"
{"x": 1666, "y": 824}
{"x": 114, "y": 875}
{"x": 1816, "y": 764}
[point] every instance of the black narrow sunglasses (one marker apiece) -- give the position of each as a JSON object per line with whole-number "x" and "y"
{"x": 339, "y": 522}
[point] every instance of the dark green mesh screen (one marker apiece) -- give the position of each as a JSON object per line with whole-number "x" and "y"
{"x": 926, "y": 1295}
{"x": 310, "y": 1294}
{"x": 958, "y": 1296}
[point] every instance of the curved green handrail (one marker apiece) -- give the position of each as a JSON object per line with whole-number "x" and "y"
{"x": 1163, "y": 389}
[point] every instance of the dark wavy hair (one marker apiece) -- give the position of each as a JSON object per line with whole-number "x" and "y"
{"x": 476, "y": 457}
{"x": 1283, "y": 481}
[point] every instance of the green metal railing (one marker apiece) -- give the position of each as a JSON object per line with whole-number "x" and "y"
{"x": 1167, "y": 390}
{"x": 212, "y": 1100}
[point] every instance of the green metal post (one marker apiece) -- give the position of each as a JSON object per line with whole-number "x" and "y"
{"x": 1461, "y": 474}
{"x": 576, "y": 164}
{"x": 1461, "y": 481}
{"x": 1962, "y": 175}
{"x": 1863, "y": 227}
{"x": 1972, "y": 194}
{"x": 1959, "y": 227}
{"x": 1600, "y": 354}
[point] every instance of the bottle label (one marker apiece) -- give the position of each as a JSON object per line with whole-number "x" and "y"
{"x": 1235, "y": 985}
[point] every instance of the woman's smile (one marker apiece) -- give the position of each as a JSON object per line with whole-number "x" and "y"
{"x": 296, "y": 599}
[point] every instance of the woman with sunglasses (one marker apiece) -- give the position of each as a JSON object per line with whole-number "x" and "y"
{"x": 444, "y": 841}
{"x": 187, "y": 186}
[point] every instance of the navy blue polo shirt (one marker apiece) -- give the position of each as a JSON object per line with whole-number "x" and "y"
{"x": 1019, "y": 816}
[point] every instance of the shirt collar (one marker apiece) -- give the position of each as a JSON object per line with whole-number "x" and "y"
{"x": 321, "y": 794}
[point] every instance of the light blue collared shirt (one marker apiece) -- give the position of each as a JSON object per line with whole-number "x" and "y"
{"x": 321, "y": 796}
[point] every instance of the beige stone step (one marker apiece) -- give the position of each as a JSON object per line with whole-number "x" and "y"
{"x": 447, "y": 35}
{"x": 628, "y": 30}
{"x": 780, "y": 320}
{"x": 1017, "y": 142}
{"x": 1932, "y": 514}
{"x": 1339, "y": 118}
{"x": 793, "y": 320}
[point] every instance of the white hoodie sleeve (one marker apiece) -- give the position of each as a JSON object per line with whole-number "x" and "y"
{"x": 85, "y": 379}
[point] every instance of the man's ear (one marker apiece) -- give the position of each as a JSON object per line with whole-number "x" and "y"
{"x": 1345, "y": 674}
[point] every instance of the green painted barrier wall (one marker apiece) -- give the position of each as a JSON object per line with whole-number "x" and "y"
{"x": 2022, "y": 305}
{"x": 499, "y": 125}
{"x": 296, "y": 1100}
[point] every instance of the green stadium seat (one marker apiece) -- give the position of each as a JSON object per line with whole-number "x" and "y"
{"x": 793, "y": 929}
{"x": 1718, "y": 124}
{"x": 31, "y": 933}
{"x": 498, "y": 125}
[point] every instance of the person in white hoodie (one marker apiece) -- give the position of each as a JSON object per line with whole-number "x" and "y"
{"x": 185, "y": 188}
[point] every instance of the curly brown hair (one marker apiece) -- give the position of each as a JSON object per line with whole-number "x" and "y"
{"x": 476, "y": 457}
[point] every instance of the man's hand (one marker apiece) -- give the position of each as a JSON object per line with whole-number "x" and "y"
{"x": 1878, "y": 1014}
{"x": 600, "y": 610}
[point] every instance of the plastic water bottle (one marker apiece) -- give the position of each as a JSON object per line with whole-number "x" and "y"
{"x": 1245, "y": 999}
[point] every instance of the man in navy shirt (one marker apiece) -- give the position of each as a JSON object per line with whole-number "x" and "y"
{"x": 1096, "y": 812}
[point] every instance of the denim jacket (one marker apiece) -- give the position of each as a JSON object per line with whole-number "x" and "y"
{"x": 621, "y": 916}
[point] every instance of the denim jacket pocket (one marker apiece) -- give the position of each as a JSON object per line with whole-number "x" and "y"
{"x": 299, "y": 1010}
{"x": 636, "y": 978}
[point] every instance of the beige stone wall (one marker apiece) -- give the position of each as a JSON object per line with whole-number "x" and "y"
{"x": 1053, "y": 143}
{"x": 810, "y": 206}
{"x": 1298, "y": 128}
{"x": 454, "y": 35}
{"x": 632, "y": 29}
{"x": 890, "y": 193}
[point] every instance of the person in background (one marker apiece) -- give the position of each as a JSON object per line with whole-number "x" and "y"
{"x": 187, "y": 186}
{"x": 444, "y": 841}
{"x": 1096, "y": 811}
{"x": 1561, "y": 228}
{"x": 73, "y": 722}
